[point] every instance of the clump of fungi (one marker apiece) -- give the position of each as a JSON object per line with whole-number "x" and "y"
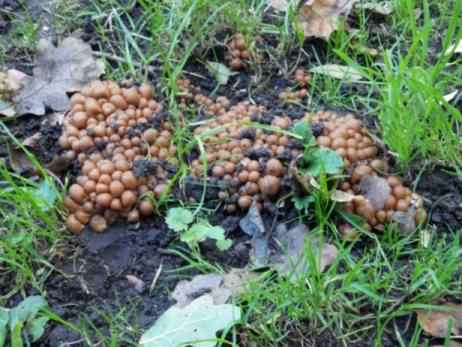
{"x": 347, "y": 136}
{"x": 302, "y": 79}
{"x": 237, "y": 52}
{"x": 108, "y": 130}
{"x": 111, "y": 131}
{"x": 250, "y": 162}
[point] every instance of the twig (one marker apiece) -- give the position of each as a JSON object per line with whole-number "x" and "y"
{"x": 154, "y": 280}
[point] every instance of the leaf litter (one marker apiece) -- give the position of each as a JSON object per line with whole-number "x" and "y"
{"x": 222, "y": 287}
{"x": 195, "y": 324}
{"x": 317, "y": 18}
{"x": 58, "y": 71}
{"x": 443, "y": 321}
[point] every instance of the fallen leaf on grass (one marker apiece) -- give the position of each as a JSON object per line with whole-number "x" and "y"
{"x": 438, "y": 322}
{"x": 221, "y": 287}
{"x": 194, "y": 325}
{"x": 376, "y": 190}
{"x": 342, "y": 72}
{"x": 383, "y": 8}
{"x": 319, "y": 18}
{"x": 58, "y": 70}
{"x": 292, "y": 259}
{"x": 405, "y": 220}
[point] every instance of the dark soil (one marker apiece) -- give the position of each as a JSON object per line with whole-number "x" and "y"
{"x": 443, "y": 196}
{"x": 94, "y": 277}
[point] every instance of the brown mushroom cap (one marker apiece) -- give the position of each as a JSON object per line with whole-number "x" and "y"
{"x": 269, "y": 185}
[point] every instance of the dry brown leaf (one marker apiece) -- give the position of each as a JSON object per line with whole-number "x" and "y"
{"x": 436, "y": 323}
{"x": 58, "y": 70}
{"x": 20, "y": 162}
{"x": 292, "y": 261}
{"x": 319, "y": 18}
{"x": 220, "y": 286}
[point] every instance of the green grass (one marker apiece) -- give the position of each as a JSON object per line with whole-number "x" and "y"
{"x": 406, "y": 90}
{"x": 30, "y": 227}
{"x": 359, "y": 294}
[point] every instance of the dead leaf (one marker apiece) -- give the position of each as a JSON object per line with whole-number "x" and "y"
{"x": 376, "y": 190}
{"x": 291, "y": 259}
{"x": 59, "y": 164}
{"x": 319, "y": 18}
{"x": 341, "y": 196}
{"x": 405, "y": 220}
{"x": 10, "y": 82}
{"x": 58, "y": 70}
{"x": 252, "y": 223}
{"x": 341, "y": 72}
{"x": 383, "y": 8}
{"x": 20, "y": 162}
{"x": 220, "y": 286}
{"x": 436, "y": 323}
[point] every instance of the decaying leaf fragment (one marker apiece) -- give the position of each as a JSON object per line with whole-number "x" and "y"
{"x": 443, "y": 322}
{"x": 319, "y": 18}
{"x": 221, "y": 287}
{"x": 376, "y": 190}
{"x": 194, "y": 325}
{"x": 57, "y": 71}
{"x": 292, "y": 258}
{"x": 10, "y": 82}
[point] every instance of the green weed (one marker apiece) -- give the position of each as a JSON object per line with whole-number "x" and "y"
{"x": 358, "y": 293}
{"x": 29, "y": 228}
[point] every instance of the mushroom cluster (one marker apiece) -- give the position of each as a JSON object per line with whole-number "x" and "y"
{"x": 347, "y": 136}
{"x": 123, "y": 145}
{"x": 302, "y": 79}
{"x": 114, "y": 133}
{"x": 237, "y": 52}
{"x": 251, "y": 162}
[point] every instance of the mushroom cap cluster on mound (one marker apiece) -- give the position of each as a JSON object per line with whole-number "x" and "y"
{"x": 110, "y": 129}
{"x": 121, "y": 141}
